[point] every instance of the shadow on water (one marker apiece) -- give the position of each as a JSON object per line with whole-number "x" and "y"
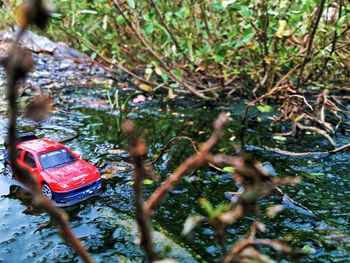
{"x": 105, "y": 223}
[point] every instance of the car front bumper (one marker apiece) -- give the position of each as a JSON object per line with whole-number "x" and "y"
{"x": 77, "y": 195}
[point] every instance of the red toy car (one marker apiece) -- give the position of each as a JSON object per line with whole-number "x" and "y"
{"x": 61, "y": 175}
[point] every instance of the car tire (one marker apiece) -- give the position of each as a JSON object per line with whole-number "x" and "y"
{"x": 8, "y": 171}
{"x": 46, "y": 190}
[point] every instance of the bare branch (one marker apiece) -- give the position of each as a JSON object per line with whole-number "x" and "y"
{"x": 199, "y": 159}
{"x": 138, "y": 149}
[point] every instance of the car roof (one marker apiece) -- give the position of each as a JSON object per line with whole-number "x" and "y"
{"x": 40, "y": 145}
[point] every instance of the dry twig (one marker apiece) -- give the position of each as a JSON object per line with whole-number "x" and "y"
{"x": 199, "y": 159}
{"x": 138, "y": 150}
{"x": 18, "y": 63}
{"x": 177, "y": 138}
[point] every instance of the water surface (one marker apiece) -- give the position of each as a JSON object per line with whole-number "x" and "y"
{"x": 105, "y": 223}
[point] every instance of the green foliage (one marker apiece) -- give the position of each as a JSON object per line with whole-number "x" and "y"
{"x": 279, "y": 138}
{"x": 229, "y": 169}
{"x": 256, "y": 40}
{"x": 211, "y": 211}
{"x": 264, "y": 108}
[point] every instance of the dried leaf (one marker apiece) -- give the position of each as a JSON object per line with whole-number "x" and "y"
{"x": 273, "y": 211}
{"x": 34, "y": 12}
{"x": 146, "y": 87}
{"x": 171, "y": 94}
{"x": 39, "y": 108}
{"x": 108, "y": 176}
{"x": 139, "y": 99}
{"x": 299, "y": 118}
{"x": 19, "y": 63}
{"x": 158, "y": 71}
{"x": 105, "y": 22}
{"x": 282, "y": 29}
{"x": 250, "y": 254}
{"x": 190, "y": 223}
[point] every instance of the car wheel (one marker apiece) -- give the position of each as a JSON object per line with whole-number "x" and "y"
{"x": 8, "y": 171}
{"x": 46, "y": 190}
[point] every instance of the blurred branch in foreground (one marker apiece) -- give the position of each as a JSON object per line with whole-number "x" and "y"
{"x": 18, "y": 63}
{"x": 255, "y": 184}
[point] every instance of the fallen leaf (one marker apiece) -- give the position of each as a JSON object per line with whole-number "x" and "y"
{"x": 190, "y": 223}
{"x": 158, "y": 71}
{"x": 146, "y": 87}
{"x": 139, "y": 99}
{"x": 282, "y": 29}
{"x": 171, "y": 94}
{"x": 107, "y": 176}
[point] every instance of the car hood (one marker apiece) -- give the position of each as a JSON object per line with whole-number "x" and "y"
{"x": 75, "y": 174}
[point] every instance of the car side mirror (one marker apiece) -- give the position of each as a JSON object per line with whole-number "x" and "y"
{"x": 34, "y": 170}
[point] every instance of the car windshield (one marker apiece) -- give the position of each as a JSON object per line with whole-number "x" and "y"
{"x": 56, "y": 158}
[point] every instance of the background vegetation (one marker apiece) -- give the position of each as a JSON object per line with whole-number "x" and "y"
{"x": 208, "y": 47}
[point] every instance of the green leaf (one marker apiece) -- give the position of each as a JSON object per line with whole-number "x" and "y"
{"x": 207, "y": 206}
{"x": 226, "y": 3}
{"x": 148, "y": 182}
{"x": 120, "y": 20}
{"x": 317, "y": 174}
{"x": 264, "y": 108}
{"x": 190, "y": 51}
{"x": 175, "y": 85}
{"x": 246, "y": 12}
{"x": 217, "y": 6}
{"x": 91, "y": 12}
{"x": 164, "y": 77}
{"x": 248, "y": 37}
{"x": 56, "y": 15}
{"x": 229, "y": 169}
{"x": 219, "y": 59}
{"x": 339, "y": 25}
{"x": 222, "y": 208}
{"x": 178, "y": 73}
{"x": 308, "y": 249}
{"x": 211, "y": 211}
{"x": 279, "y": 138}
{"x": 149, "y": 28}
{"x": 203, "y": 51}
{"x": 131, "y": 3}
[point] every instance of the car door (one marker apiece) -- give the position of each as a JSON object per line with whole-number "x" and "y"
{"x": 30, "y": 162}
{"x": 19, "y": 153}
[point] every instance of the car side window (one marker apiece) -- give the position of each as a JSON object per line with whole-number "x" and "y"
{"x": 29, "y": 160}
{"x": 19, "y": 153}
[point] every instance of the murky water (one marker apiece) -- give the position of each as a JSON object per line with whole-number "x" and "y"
{"x": 105, "y": 223}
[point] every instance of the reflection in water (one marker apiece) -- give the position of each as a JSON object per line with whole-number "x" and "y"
{"x": 105, "y": 223}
